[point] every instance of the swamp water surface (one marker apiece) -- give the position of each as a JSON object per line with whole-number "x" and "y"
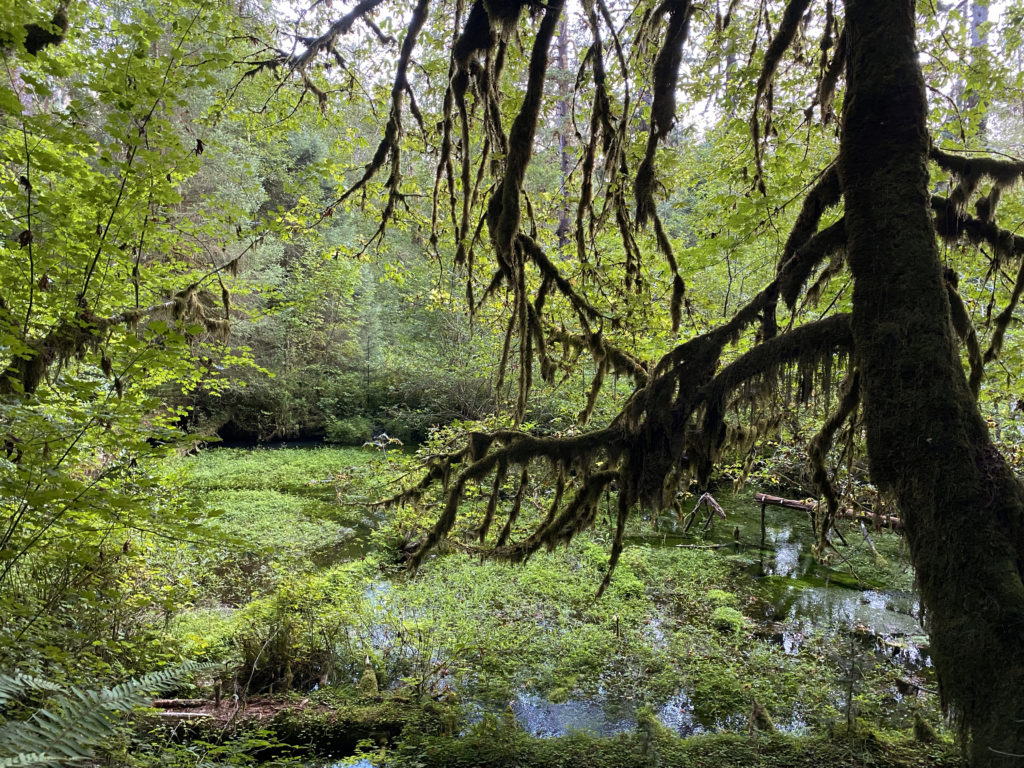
{"x": 797, "y": 597}
{"x": 794, "y": 599}
{"x": 787, "y": 599}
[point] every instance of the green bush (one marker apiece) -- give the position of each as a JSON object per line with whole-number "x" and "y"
{"x": 354, "y": 430}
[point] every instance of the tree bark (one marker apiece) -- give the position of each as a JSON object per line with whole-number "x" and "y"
{"x": 927, "y": 443}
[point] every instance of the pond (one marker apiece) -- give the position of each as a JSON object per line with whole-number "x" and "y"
{"x": 696, "y": 628}
{"x": 797, "y": 598}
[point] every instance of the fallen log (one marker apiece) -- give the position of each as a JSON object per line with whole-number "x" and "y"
{"x": 778, "y": 501}
{"x": 175, "y": 703}
{"x": 885, "y": 521}
{"x": 766, "y": 499}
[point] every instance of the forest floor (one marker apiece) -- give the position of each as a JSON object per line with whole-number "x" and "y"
{"x": 707, "y": 649}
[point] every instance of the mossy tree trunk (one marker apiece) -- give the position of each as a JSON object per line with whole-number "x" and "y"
{"x": 927, "y": 442}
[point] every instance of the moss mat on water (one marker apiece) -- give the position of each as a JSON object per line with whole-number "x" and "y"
{"x": 507, "y": 748}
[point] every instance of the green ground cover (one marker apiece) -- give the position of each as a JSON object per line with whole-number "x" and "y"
{"x": 302, "y": 593}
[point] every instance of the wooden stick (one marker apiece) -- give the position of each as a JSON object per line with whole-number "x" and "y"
{"x": 869, "y": 541}
{"x": 185, "y": 715}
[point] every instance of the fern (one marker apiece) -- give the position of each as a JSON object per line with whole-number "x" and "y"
{"x": 30, "y": 760}
{"x": 76, "y": 720}
{"x": 15, "y": 686}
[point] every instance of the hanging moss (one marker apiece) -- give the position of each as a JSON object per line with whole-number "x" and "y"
{"x": 817, "y": 454}
{"x": 664, "y": 81}
{"x": 787, "y": 32}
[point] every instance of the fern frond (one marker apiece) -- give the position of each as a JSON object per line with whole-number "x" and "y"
{"x": 30, "y": 760}
{"x": 76, "y": 720}
{"x": 13, "y": 687}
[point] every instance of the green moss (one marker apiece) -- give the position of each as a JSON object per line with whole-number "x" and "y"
{"x": 728, "y": 619}
{"x": 495, "y": 744}
{"x": 719, "y": 597}
{"x": 670, "y": 618}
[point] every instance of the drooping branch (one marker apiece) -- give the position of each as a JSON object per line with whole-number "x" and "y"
{"x": 806, "y": 247}
{"x": 1003, "y": 319}
{"x": 84, "y": 332}
{"x": 784, "y": 36}
{"x": 314, "y": 46}
{"x": 504, "y": 211}
{"x": 390, "y": 146}
{"x": 952, "y": 223}
{"x": 807, "y": 258}
{"x": 649, "y": 451}
{"x": 1002, "y": 172}
{"x": 664, "y": 81}
{"x": 445, "y": 167}
{"x": 830, "y": 74}
{"x": 514, "y": 448}
{"x": 619, "y": 361}
{"x": 812, "y": 341}
{"x": 966, "y": 332}
{"x": 817, "y": 453}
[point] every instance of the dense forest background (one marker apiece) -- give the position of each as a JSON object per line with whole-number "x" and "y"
{"x": 248, "y": 223}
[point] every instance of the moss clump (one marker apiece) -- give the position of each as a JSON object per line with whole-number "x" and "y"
{"x": 719, "y": 597}
{"x": 923, "y": 730}
{"x": 368, "y": 685}
{"x": 728, "y": 619}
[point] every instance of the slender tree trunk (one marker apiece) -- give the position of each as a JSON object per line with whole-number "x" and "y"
{"x": 979, "y": 42}
{"x": 927, "y": 443}
{"x": 564, "y": 126}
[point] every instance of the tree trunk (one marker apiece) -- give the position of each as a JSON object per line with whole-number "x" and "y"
{"x": 979, "y": 42}
{"x": 927, "y": 443}
{"x": 564, "y": 126}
